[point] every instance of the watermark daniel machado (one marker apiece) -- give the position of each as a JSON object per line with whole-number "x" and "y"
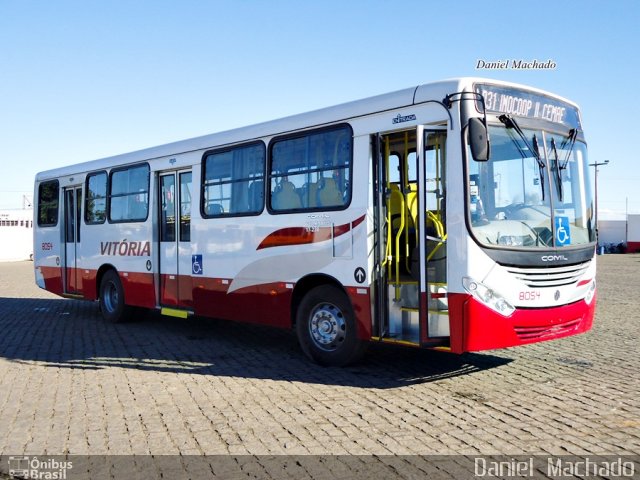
{"x": 513, "y": 64}
{"x": 554, "y": 467}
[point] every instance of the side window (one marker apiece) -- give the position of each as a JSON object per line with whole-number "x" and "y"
{"x": 48, "y": 196}
{"x": 394, "y": 168}
{"x": 311, "y": 171}
{"x": 233, "y": 181}
{"x": 167, "y": 208}
{"x": 185, "y": 207}
{"x": 95, "y": 207}
{"x": 129, "y": 194}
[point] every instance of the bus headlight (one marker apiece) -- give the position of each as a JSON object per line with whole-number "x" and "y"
{"x": 487, "y": 296}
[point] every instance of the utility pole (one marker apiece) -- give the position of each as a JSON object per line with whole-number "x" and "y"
{"x": 596, "y": 165}
{"x": 26, "y": 202}
{"x": 626, "y": 222}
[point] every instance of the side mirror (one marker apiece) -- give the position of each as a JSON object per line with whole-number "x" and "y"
{"x": 478, "y": 140}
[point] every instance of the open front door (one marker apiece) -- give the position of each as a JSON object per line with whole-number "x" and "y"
{"x": 410, "y": 251}
{"x": 396, "y": 282}
{"x": 72, "y": 216}
{"x": 175, "y": 241}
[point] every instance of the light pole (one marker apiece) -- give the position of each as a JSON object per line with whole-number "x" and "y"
{"x": 596, "y": 165}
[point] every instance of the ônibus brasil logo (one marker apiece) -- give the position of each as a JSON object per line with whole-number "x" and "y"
{"x": 38, "y": 469}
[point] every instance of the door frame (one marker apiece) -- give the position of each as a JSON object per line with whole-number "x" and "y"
{"x": 71, "y": 287}
{"x": 422, "y": 132}
{"x": 178, "y": 294}
{"x": 380, "y": 274}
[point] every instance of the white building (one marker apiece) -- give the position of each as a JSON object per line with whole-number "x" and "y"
{"x": 621, "y": 231}
{"x": 633, "y": 233}
{"x": 16, "y": 235}
{"x": 612, "y": 231}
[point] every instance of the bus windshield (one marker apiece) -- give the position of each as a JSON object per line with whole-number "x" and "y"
{"x": 533, "y": 193}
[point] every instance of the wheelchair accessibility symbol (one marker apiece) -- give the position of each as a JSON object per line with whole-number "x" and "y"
{"x": 563, "y": 231}
{"x": 196, "y": 264}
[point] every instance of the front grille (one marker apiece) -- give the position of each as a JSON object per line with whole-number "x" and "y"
{"x": 536, "y": 277}
{"x": 538, "y": 332}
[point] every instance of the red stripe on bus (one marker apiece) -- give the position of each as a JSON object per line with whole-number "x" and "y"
{"x": 303, "y": 235}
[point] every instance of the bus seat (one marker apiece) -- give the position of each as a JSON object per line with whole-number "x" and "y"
{"x": 214, "y": 209}
{"x": 412, "y": 206}
{"x": 394, "y": 207}
{"x": 285, "y": 197}
{"x": 309, "y": 195}
{"x": 411, "y": 200}
{"x": 256, "y": 196}
{"x": 329, "y": 195}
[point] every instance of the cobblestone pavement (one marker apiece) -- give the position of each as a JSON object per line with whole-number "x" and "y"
{"x": 72, "y": 384}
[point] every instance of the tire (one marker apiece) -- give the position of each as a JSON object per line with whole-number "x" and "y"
{"x": 326, "y": 327}
{"x": 112, "y": 304}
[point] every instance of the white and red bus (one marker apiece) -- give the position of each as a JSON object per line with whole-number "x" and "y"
{"x": 455, "y": 215}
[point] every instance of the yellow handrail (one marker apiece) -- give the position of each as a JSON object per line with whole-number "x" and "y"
{"x": 405, "y": 191}
{"x": 437, "y": 223}
{"x": 442, "y": 237}
{"x": 396, "y": 258}
{"x": 437, "y": 247}
{"x": 405, "y": 169}
{"x": 387, "y": 252}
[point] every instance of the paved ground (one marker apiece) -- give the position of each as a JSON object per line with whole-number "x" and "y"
{"x": 72, "y": 384}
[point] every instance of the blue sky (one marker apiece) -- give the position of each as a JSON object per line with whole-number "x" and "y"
{"x": 81, "y": 80}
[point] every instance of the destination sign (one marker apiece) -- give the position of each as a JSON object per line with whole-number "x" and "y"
{"x": 522, "y": 103}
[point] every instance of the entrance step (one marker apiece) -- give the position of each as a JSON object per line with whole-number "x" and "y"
{"x": 175, "y": 312}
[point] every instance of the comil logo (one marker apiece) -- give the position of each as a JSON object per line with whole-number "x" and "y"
{"x": 553, "y": 258}
{"x": 38, "y": 468}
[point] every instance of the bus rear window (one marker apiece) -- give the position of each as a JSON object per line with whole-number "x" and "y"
{"x": 48, "y": 204}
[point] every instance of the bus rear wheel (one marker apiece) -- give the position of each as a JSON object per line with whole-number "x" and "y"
{"x": 112, "y": 304}
{"x": 326, "y": 327}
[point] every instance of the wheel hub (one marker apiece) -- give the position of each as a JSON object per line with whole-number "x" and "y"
{"x": 327, "y": 326}
{"x": 111, "y": 297}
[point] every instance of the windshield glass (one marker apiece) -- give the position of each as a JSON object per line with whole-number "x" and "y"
{"x": 533, "y": 192}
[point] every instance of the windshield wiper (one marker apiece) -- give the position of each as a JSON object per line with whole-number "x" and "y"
{"x": 558, "y": 168}
{"x": 511, "y": 123}
{"x": 571, "y": 140}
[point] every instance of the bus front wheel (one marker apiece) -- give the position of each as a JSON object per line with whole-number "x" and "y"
{"x": 326, "y": 327}
{"x": 112, "y": 303}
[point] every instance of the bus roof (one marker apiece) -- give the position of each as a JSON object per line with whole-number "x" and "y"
{"x": 342, "y": 112}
